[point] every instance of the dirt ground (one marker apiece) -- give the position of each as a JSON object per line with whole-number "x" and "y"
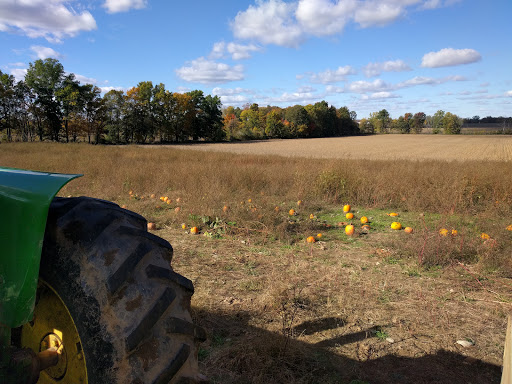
{"x": 337, "y": 312}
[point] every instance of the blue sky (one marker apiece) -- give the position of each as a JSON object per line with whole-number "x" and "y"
{"x": 402, "y": 55}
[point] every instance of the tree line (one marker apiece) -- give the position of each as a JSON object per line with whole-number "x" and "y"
{"x": 50, "y": 104}
{"x": 440, "y": 122}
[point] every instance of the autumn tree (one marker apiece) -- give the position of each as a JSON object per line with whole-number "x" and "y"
{"x": 418, "y": 121}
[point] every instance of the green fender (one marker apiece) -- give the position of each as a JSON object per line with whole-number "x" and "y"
{"x": 25, "y": 198}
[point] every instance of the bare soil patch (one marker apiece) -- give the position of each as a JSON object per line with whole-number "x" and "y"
{"x": 336, "y": 312}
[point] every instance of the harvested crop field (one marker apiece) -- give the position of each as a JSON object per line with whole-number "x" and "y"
{"x": 381, "y": 147}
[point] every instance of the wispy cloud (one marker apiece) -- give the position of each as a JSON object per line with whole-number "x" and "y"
{"x": 206, "y": 71}
{"x": 115, "y": 6}
{"x": 375, "y": 69}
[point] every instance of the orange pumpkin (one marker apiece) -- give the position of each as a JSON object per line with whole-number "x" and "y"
{"x": 443, "y": 232}
{"x": 194, "y": 230}
{"x": 365, "y": 227}
{"x": 299, "y": 203}
{"x": 454, "y": 232}
{"x": 346, "y": 208}
{"x": 276, "y": 209}
{"x": 393, "y": 214}
{"x": 509, "y": 228}
{"x": 485, "y": 236}
{"x": 311, "y": 216}
{"x": 225, "y": 208}
{"x": 349, "y": 230}
{"x": 408, "y": 230}
{"x": 151, "y": 226}
{"x": 310, "y": 239}
{"x": 177, "y": 209}
{"x": 152, "y": 195}
{"x": 183, "y": 226}
{"x": 364, "y": 220}
{"x": 291, "y": 212}
{"x": 349, "y": 215}
{"x": 124, "y": 206}
{"x": 319, "y": 235}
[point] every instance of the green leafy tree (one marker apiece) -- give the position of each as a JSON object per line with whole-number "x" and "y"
{"x": 68, "y": 95}
{"x": 383, "y": 121}
{"x": 45, "y": 79}
{"x": 114, "y": 106}
{"x": 7, "y": 104}
{"x": 437, "y": 122}
{"x": 366, "y": 126}
{"x": 452, "y": 124}
{"x": 402, "y": 125}
{"x": 212, "y": 118}
{"x": 299, "y": 121}
{"x": 274, "y": 125}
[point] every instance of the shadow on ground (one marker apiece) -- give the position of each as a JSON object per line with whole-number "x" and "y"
{"x": 238, "y": 352}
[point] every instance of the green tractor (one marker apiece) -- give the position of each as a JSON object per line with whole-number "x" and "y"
{"x": 87, "y": 294}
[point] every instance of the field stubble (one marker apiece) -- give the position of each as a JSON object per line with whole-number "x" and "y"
{"x": 279, "y": 310}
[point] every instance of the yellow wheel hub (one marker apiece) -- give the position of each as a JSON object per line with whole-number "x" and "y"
{"x": 53, "y": 326}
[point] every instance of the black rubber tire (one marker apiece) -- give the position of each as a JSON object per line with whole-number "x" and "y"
{"x": 131, "y": 310}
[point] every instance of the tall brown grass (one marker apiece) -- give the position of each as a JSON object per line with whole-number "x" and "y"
{"x": 207, "y": 181}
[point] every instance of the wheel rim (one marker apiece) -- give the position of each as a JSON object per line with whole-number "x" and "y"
{"x": 53, "y": 326}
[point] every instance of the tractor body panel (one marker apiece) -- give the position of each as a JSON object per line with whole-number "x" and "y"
{"x": 25, "y": 197}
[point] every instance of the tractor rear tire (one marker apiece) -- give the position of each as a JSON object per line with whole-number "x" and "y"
{"x": 130, "y": 309}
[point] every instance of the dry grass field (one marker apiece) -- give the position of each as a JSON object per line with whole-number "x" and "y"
{"x": 381, "y": 147}
{"x": 381, "y": 306}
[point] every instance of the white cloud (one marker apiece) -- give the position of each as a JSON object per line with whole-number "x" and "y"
{"x": 432, "y": 4}
{"x": 508, "y": 93}
{"x": 288, "y": 23}
{"x": 206, "y": 71}
{"x": 378, "y": 13}
{"x": 18, "y": 64}
{"x": 19, "y": 73}
{"x": 362, "y": 86}
{"x": 330, "y": 76}
{"x": 375, "y": 69}
{"x": 383, "y": 95}
{"x": 334, "y": 89}
{"x": 269, "y": 22}
{"x": 50, "y": 19}
{"x": 449, "y": 57}
{"x": 108, "y": 89}
{"x": 45, "y": 52}
{"x": 237, "y": 51}
{"x": 420, "y": 80}
{"x": 235, "y": 100}
{"x": 115, "y": 6}
{"x": 323, "y": 17}
{"x": 230, "y": 91}
{"x": 86, "y": 80}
